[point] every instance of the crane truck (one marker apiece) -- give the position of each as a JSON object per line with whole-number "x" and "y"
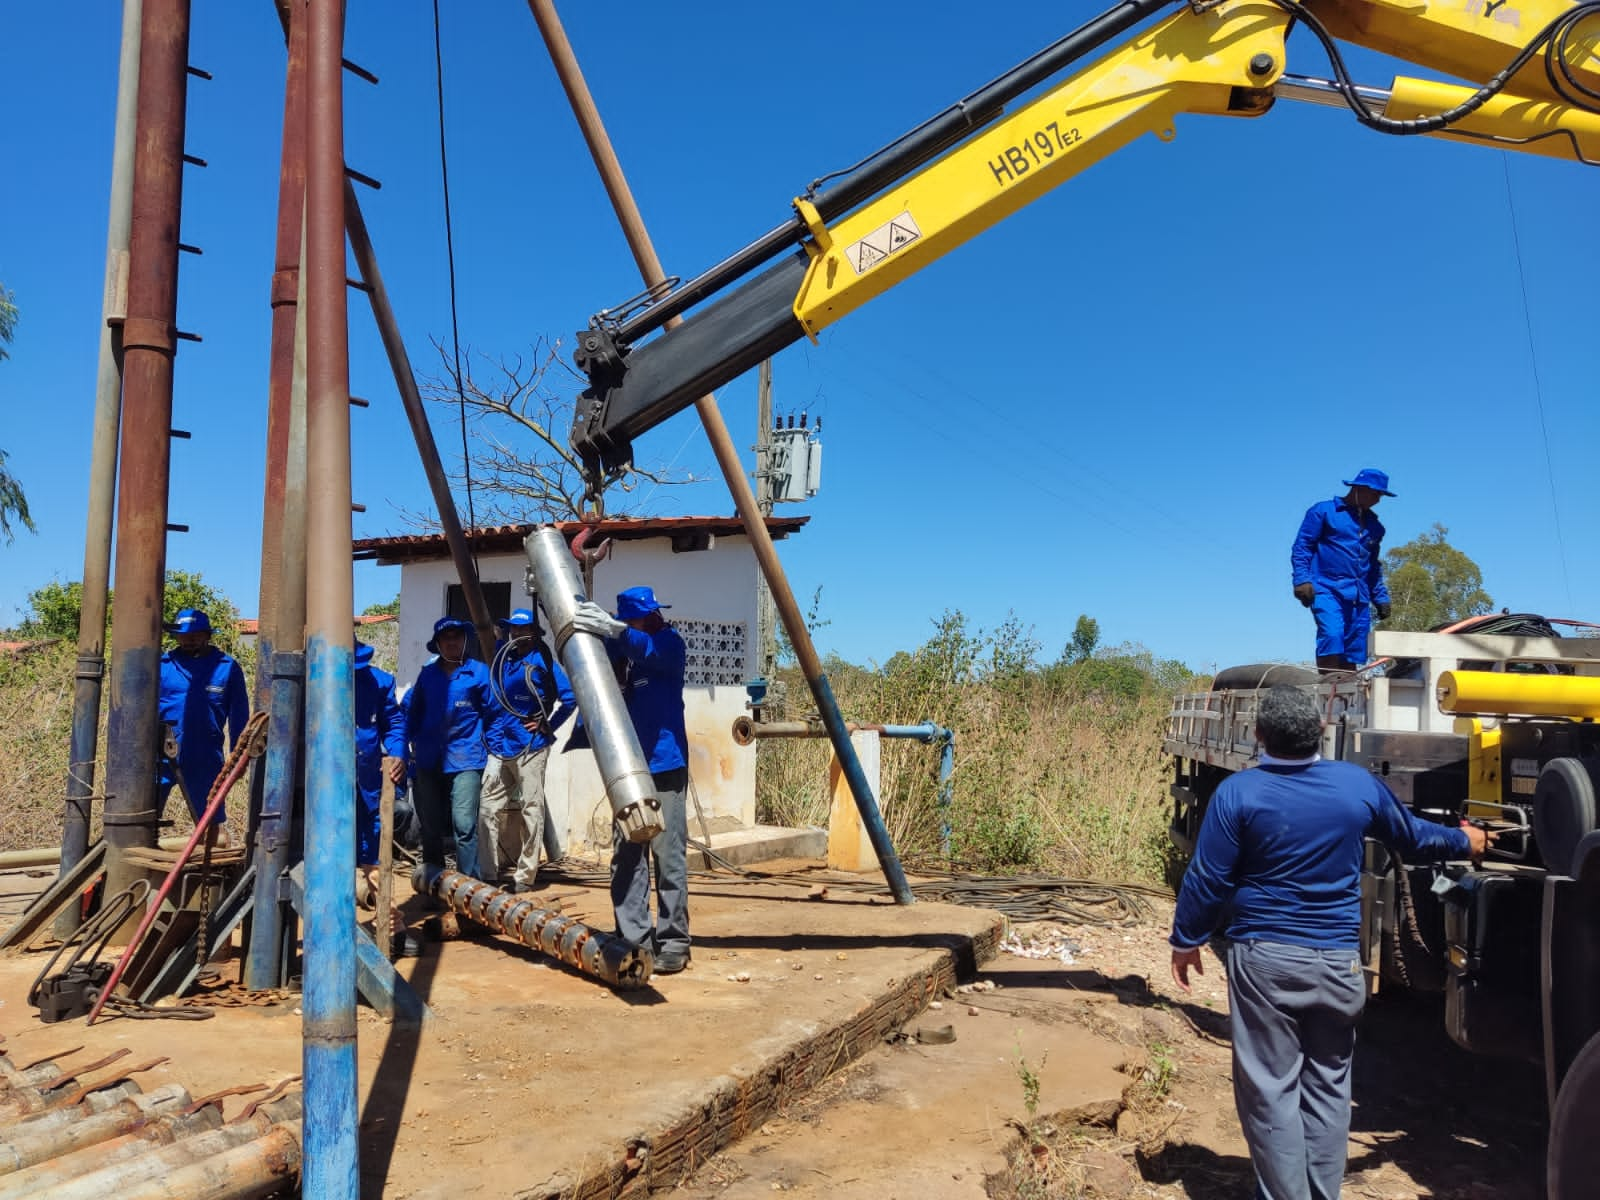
{"x": 1532, "y": 84}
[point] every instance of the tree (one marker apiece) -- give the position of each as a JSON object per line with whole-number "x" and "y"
{"x": 1085, "y": 637}
{"x": 521, "y": 467}
{"x": 13, "y": 504}
{"x": 55, "y": 609}
{"x": 389, "y": 608}
{"x": 1431, "y": 583}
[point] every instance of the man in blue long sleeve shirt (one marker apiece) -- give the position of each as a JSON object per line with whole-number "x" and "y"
{"x": 1279, "y": 857}
{"x": 1338, "y": 571}
{"x": 534, "y": 699}
{"x": 380, "y": 735}
{"x": 447, "y": 712}
{"x": 202, "y": 694}
{"x": 655, "y": 658}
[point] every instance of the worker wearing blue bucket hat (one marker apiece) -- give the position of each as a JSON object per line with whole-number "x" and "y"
{"x": 447, "y": 712}
{"x": 203, "y": 697}
{"x": 1337, "y": 569}
{"x": 655, "y": 659}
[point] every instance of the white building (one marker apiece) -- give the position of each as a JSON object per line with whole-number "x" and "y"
{"x": 704, "y": 567}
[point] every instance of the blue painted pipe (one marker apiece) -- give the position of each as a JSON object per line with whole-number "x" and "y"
{"x": 275, "y": 829}
{"x": 871, "y": 815}
{"x": 946, "y": 739}
{"x": 329, "y": 1000}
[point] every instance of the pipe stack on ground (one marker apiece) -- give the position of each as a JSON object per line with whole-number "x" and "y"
{"x": 619, "y": 963}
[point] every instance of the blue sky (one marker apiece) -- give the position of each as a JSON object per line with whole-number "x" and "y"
{"x": 1118, "y": 402}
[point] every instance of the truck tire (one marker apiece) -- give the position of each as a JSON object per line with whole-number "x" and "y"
{"x": 1261, "y": 675}
{"x": 1413, "y": 943}
{"x": 1572, "y": 1157}
{"x": 1563, "y": 811}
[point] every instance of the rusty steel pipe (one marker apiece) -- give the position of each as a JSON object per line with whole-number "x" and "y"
{"x": 112, "y": 1175}
{"x": 26, "y": 1147}
{"x": 722, "y": 447}
{"x": 237, "y": 1171}
{"x": 746, "y": 730}
{"x": 35, "y": 1112}
{"x": 56, "y": 1168}
{"x": 148, "y": 345}
{"x": 12, "y": 1076}
{"x": 611, "y": 959}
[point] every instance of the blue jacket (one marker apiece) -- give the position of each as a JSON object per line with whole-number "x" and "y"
{"x": 1280, "y": 854}
{"x": 446, "y": 714}
{"x": 202, "y": 697}
{"x": 653, "y": 691}
{"x": 528, "y": 683}
{"x": 1339, "y": 550}
{"x": 380, "y": 724}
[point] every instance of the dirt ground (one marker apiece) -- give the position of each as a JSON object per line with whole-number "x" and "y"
{"x": 1134, "y": 1096}
{"x": 1070, "y": 1067}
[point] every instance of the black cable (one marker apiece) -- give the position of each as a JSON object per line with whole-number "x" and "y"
{"x": 450, "y": 254}
{"x": 1552, "y": 39}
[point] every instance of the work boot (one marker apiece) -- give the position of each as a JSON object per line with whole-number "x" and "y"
{"x": 671, "y": 963}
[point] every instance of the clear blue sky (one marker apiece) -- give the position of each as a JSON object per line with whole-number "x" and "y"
{"x": 1118, "y": 402}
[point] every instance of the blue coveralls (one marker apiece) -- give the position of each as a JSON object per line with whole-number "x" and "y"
{"x": 511, "y": 808}
{"x": 380, "y": 731}
{"x": 446, "y": 715}
{"x": 551, "y": 691}
{"x": 653, "y": 692}
{"x": 1338, "y": 551}
{"x": 202, "y": 696}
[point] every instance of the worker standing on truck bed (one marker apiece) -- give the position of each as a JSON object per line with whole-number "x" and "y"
{"x": 1279, "y": 859}
{"x": 1338, "y": 573}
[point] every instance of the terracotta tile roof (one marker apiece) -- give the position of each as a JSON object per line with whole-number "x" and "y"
{"x": 508, "y": 538}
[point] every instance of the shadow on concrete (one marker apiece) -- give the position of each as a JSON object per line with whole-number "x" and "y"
{"x": 378, "y": 1129}
{"x": 959, "y": 945}
{"x": 1131, "y": 990}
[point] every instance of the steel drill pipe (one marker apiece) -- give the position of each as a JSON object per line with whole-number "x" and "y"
{"x": 610, "y": 959}
{"x": 34, "y": 1111}
{"x": 55, "y": 1169}
{"x": 113, "y": 1176}
{"x": 623, "y": 768}
{"x": 261, "y": 1167}
{"x": 25, "y": 1147}
{"x": 148, "y": 346}
{"x": 13, "y": 1076}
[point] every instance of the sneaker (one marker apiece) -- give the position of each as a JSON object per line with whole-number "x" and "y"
{"x": 671, "y": 964}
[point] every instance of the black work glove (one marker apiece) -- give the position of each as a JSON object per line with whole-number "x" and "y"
{"x": 1381, "y": 607}
{"x": 1305, "y": 593}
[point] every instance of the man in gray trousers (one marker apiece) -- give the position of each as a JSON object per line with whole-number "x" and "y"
{"x": 1279, "y": 859}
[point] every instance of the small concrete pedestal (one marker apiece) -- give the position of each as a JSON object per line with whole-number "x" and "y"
{"x": 849, "y": 847}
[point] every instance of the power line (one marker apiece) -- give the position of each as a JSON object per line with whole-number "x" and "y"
{"x": 1538, "y": 387}
{"x": 450, "y": 254}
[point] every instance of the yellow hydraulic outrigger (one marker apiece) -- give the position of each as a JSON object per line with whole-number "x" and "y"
{"x": 857, "y": 234}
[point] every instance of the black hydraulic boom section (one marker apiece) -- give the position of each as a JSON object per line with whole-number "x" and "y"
{"x": 633, "y": 388}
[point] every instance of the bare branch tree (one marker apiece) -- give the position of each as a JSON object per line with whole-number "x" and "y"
{"x": 518, "y": 411}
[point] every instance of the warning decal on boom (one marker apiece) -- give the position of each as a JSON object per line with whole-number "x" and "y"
{"x": 881, "y": 242}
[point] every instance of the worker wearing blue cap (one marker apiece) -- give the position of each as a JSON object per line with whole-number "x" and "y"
{"x": 1338, "y": 569}
{"x": 534, "y": 699}
{"x": 202, "y": 697}
{"x": 655, "y": 658}
{"x": 447, "y": 712}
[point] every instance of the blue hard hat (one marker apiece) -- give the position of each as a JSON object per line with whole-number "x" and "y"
{"x": 189, "y": 620}
{"x": 523, "y": 618}
{"x": 1371, "y": 477}
{"x": 637, "y": 602}
{"x": 364, "y": 654}
{"x": 443, "y": 624}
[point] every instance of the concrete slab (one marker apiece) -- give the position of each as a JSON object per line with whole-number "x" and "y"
{"x": 763, "y": 844}
{"x": 536, "y": 1082}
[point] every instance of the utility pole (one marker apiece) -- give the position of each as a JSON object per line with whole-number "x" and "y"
{"x": 766, "y": 609}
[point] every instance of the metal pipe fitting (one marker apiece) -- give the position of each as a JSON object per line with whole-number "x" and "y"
{"x": 623, "y": 769}
{"x": 611, "y": 959}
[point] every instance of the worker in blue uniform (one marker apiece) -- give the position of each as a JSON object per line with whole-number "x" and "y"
{"x": 534, "y": 700}
{"x": 447, "y": 712}
{"x": 203, "y": 698}
{"x": 1278, "y": 865}
{"x": 1338, "y": 569}
{"x": 654, "y": 658}
{"x": 380, "y": 735}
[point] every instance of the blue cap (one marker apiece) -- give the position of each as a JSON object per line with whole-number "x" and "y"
{"x": 443, "y": 624}
{"x": 637, "y": 602}
{"x": 363, "y": 654}
{"x": 1371, "y": 477}
{"x": 189, "y": 620}
{"x": 521, "y": 619}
